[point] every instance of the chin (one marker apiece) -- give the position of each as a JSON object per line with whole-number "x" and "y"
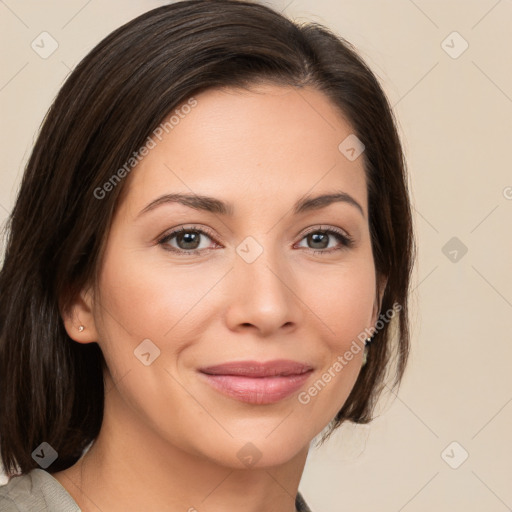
{"x": 265, "y": 448}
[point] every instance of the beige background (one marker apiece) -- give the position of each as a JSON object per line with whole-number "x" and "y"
{"x": 455, "y": 116}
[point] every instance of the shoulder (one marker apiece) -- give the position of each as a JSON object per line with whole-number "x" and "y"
{"x": 36, "y": 490}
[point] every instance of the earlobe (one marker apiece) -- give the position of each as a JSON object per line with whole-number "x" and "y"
{"x": 78, "y": 319}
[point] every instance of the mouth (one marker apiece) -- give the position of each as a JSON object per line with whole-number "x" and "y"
{"x": 257, "y": 383}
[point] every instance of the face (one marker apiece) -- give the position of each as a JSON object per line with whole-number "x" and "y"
{"x": 262, "y": 281}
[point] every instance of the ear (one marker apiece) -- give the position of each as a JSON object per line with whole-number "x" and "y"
{"x": 382, "y": 282}
{"x": 80, "y": 313}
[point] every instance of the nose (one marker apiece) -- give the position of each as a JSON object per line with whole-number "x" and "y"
{"x": 263, "y": 293}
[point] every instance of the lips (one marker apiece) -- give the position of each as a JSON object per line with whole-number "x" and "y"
{"x": 257, "y": 383}
{"x": 255, "y": 369}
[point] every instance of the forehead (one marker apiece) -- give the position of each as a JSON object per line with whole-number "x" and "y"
{"x": 262, "y": 144}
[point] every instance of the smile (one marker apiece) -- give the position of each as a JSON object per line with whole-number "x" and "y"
{"x": 257, "y": 383}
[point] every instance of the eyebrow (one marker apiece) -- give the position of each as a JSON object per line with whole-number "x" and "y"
{"x": 216, "y": 206}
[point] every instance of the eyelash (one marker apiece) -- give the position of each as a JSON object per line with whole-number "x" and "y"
{"x": 346, "y": 240}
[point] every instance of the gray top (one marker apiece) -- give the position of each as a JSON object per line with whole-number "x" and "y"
{"x": 38, "y": 491}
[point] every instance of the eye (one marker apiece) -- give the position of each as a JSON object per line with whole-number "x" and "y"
{"x": 188, "y": 240}
{"x": 319, "y": 239}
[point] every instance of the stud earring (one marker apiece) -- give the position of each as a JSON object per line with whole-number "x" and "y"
{"x": 81, "y": 328}
{"x": 367, "y": 341}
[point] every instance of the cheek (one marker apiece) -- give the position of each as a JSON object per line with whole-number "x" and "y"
{"x": 343, "y": 298}
{"x": 145, "y": 297}
{"x": 143, "y": 300}
{"x": 343, "y": 301}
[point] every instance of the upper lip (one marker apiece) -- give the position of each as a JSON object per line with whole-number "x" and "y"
{"x": 258, "y": 369}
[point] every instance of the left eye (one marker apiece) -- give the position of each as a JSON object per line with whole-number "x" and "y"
{"x": 320, "y": 239}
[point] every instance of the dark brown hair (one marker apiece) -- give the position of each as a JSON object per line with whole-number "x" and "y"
{"x": 51, "y": 388}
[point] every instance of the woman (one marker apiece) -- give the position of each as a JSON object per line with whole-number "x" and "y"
{"x": 213, "y": 225}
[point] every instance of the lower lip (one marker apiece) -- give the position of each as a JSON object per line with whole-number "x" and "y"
{"x": 257, "y": 390}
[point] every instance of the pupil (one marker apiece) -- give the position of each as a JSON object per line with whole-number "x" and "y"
{"x": 189, "y": 238}
{"x": 316, "y": 238}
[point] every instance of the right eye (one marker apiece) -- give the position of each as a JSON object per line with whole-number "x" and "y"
{"x": 188, "y": 238}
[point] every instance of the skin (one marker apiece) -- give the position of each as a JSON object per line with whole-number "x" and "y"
{"x": 169, "y": 441}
